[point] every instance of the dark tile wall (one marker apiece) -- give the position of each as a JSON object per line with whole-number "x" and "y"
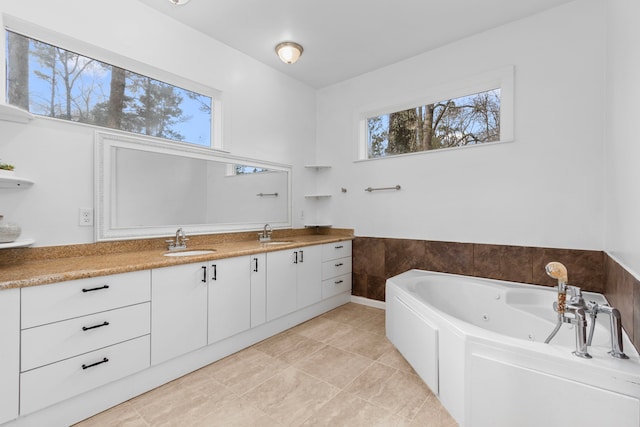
{"x": 623, "y": 292}
{"x": 377, "y": 259}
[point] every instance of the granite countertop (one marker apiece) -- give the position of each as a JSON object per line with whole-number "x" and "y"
{"x": 23, "y": 271}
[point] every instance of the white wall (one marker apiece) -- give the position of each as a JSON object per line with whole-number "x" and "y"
{"x": 621, "y": 146}
{"x": 266, "y": 114}
{"x": 543, "y": 189}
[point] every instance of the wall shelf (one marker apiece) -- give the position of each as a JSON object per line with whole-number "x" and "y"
{"x": 13, "y": 181}
{"x": 11, "y": 113}
{"x": 318, "y": 225}
{"x": 17, "y": 244}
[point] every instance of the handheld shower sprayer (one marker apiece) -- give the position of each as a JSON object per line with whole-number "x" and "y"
{"x": 558, "y": 271}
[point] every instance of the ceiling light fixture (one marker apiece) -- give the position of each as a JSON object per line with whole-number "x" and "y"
{"x": 289, "y": 52}
{"x": 179, "y": 2}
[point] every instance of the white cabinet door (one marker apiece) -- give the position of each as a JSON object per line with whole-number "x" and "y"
{"x": 229, "y": 297}
{"x": 258, "y": 289}
{"x": 309, "y": 275}
{"x": 178, "y": 310}
{"x": 9, "y": 353}
{"x": 281, "y": 283}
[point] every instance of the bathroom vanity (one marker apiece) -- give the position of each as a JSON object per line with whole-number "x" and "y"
{"x": 76, "y": 347}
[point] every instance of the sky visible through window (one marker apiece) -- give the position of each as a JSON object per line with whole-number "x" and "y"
{"x": 467, "y": 120}
{"x": 61, "y": 84}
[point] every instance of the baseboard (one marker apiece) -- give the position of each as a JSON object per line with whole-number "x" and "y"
{"x": 369, "y": 302}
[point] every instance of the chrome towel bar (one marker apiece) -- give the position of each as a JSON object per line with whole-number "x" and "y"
{"x": 370, "y": 189}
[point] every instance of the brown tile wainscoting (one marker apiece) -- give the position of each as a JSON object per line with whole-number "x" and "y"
{"x": 376, "y": 259}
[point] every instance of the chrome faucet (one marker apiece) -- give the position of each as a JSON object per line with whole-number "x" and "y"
{"x": 180, "y": 241}
{"x": 574, "y": 310}
{"x": 265, "y": 236}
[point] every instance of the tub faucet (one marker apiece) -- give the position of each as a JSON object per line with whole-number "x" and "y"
{"x": 574, "y": 310}
{"x": 615, "y": 327}
{"x": 265, "y": 236}
{"x": 180, "y": 241}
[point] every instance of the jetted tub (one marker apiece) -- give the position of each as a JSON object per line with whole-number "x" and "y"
{"x": 479, "y": 345}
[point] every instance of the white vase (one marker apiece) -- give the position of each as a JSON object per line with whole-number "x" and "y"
{"x": 9, "y": 231}
{"x": 4, "y": 172}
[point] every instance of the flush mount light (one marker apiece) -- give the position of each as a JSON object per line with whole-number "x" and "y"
{"x": 179, "y": 2}
{"x": 289, "y": 52}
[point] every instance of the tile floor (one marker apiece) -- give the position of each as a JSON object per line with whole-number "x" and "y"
{"x": 337, "y": 369}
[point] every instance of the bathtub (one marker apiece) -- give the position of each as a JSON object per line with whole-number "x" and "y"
{"x": 479, "y": 346}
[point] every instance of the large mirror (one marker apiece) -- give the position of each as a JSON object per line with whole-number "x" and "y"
{"x": 150, "y": 188}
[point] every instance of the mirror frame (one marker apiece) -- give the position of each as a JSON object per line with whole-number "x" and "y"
{"x": 104, "y": 167}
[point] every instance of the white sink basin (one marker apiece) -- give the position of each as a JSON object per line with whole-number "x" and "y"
{"x": 190, "y": 253}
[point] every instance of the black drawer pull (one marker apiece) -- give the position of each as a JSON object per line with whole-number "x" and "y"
{"x": 105, "y": 360}
{"x": 337, "y": 282}
{"x": 204, "y": 274}
{"x": 339, "y": 264}
{"x": 339, "y": 247}
{"x": 86, "y": 328}
{"x": 256, "y": 268}
{"x": 301, "y": 256}
{"x": 95, "y": 289}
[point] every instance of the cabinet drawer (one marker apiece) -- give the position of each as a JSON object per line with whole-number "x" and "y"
{"x": 56, "y": 341}
{"x": 336, "y": 250}
{"x": 336, "y": 267}
{"x": 53, "y": 383}
{"x": 75, "y": 298}
{"x": 336, "y": 286}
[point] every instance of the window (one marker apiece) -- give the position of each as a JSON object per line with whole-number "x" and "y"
{"x": 468, "y": 112}
{"x": 50, "y": 81}
{"x": 468, "y": 120}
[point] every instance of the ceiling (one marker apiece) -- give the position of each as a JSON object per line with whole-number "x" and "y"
{"x": 344, "y": 38}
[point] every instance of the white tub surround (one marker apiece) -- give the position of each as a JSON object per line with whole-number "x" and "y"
{"x": 479, "y": 345}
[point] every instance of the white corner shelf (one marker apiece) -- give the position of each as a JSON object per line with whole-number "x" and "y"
{"x": 12, "y": 113}
{"x": 317, "y": 196}
{"x": 13, "y": 181}
{"x": 17, "y": 244}
{"x": 317, "y": 167}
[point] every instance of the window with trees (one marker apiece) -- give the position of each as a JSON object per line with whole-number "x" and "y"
{"x": 50, "y": 81}
{"x": 467, "y": 120}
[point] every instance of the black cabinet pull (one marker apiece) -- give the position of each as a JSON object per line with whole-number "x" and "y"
{"x": 86, "y": 328}
{"x": 95, "y": 289}
{"x": 337, "y": 282}
{"x": 105, "y": 360}
{"x": 339, "y": 247}
{"x": 295, "y": 261}
{"x": 204, "y": 274}
{"x": 301, "y": 256}
{"x": 339, "y": 264}
{"x": 215, "y": 272}
{"x": 256, "y": 267}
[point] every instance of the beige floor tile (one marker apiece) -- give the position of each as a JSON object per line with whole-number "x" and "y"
{"x": 245, "y": 370}
{"x": 236, "y": 413}
{"x": 400, "y": 392}
{"x": 394, "y": 359}
{"x": 364, "y": 343}
{"x": 351, "y": 314}
{"x": 183, "y": 402}
{"x": 289, "y": 347}
{"x": 322, "y": 329}
{"x": 291, "y": 396}
{"x": 374, "y": 323}
{"x": 433, "y": 414}
{"x": 335, "y": 366}
{"x": 123, "y": 415}
{"x": 348, "y": 410}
